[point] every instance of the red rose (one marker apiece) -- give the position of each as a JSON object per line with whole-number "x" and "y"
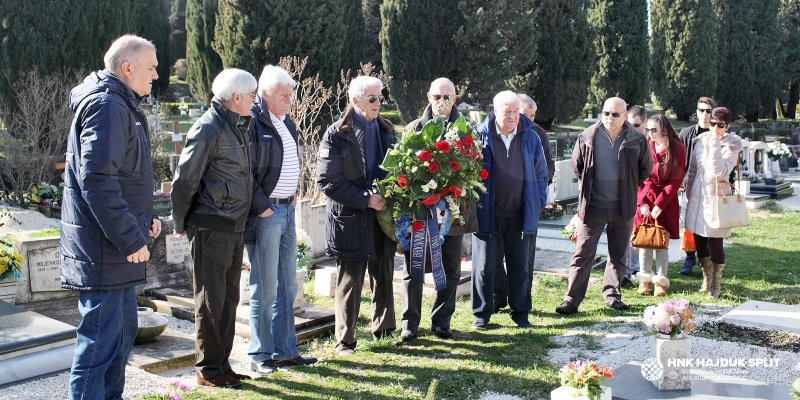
{"x": 456, "y": 192}
{"x": 443, "y": 146}
{"x": 402, "y": 181}
{"x": 454, "y": 165}
{"x": 417, "y": 226}
{"x": 484, "y": 174}
{"x": 432, "y": 199}
{"x": 465, "y": 150}
{"x": 434, "y": 167}
{"x": 424, "y": 155}
{"x": 467, "y": 140}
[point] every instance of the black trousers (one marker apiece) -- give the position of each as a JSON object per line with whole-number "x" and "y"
{"x": 501, "y": 280}
{"x": 444, "y": 303}
{"x": 217, "y": 257}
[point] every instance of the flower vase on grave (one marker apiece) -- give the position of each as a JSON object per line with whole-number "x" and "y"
{"x": 299, "y": 298}
{"x": 567, "y": 393}
{"x": 150, "y": 325}
{"x": 775, "y": 168}
{"x": 671, "y": 357}
{"x": 244, "y": 287}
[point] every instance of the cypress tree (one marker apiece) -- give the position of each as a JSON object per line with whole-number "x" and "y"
{"x": 355, "y": 34}
{"x": 552, "y": 80}
{"x": 621, "y": 46}
{"x": 177, "y": 24}
{"x": 204, "y": 63}
{"x": 417, "y": 48}
{"x": 683, "y": 53}
{"x": 371, "y": 10}
{"x": 152, "y": 24}
{"x": 751, "y": 64}
{"x": 789, "y": 18}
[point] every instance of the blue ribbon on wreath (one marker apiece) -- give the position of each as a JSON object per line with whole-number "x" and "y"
{"x": 420, "y": 244}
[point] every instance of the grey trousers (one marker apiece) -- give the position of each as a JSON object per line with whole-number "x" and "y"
{"x": 444, "y": 303}
{"x": 348, "y": 298}
{"x": 618, "y": 231}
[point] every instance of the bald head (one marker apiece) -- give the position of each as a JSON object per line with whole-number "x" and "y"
{"x": 614, "y": 115}
{"x": 441, "y": 97}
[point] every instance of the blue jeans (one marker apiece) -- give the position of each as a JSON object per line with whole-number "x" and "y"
{"x": 104, "y": 340}
{"x": 273, "y": 286}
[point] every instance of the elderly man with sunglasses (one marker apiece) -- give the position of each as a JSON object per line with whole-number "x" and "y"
{"x": 348, "y": 164}
{"x": 687, "y": 136}
{"x": 611, "y": 159}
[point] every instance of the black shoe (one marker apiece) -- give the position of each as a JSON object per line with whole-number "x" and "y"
{"x": 567, "y": 308}
{"x": 442, "y": 332}
{"x": 294, "y": 362}
{"x": 407, "y": 335}
{"x": 383, "y": 334}
{"x": 480, "y": 324}
{"x": 619, "y": 305}
{"x": 263, "y": 368}
{"x": 524, "y": 325}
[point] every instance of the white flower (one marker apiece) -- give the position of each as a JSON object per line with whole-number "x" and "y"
{"x": 432, "y": 184}
{"x": 303, "y": 238}
{"x": 414, "y": 169}
{"x": 549, "y": 206}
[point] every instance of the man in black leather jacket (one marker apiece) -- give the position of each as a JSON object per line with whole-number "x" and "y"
{"x": 211, "y": 197}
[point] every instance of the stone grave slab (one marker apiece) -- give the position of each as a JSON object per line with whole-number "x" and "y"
{"x": 32, "y": 344}
{"x": 765, "y": 315}
{"x": 629, "y": 384}
{"x": 172, "y": 349}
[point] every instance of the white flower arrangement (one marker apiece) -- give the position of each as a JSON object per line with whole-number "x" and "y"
{"x": 671, "y": 317}
{"x": 778, "y": 150}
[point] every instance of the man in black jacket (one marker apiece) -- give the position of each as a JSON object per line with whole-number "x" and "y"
{"x": 441, "y": 103}
{"x": 272, "y": 249}
{"x": 687, "y": 136}
{"x": 107, "y": 214}
{"x": 350, "y": 155}
{"x": 211, "y": 197}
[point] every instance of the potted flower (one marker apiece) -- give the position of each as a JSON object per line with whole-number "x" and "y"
{"x": 583, "y": 380}
{"x": 776, "y": 150}
{"x": 552, "y": 211}
{"x": 571, "y": 230}
{"x": 10, "y": 261}
{"x": 46, "y": 194}
{"x": 669, "y": 322}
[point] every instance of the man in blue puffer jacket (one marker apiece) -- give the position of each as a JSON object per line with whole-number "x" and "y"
{"x": 508, "y": 216}
{"x": 107, "y": 214}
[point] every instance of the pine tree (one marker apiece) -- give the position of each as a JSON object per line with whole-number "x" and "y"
{"x": 789, "y": 18}
{"x": 552, "y": 80}
{"x": 152, "y": 24}
{"x": 177, "y": 24}
{"x": 204, "y": 63}
{"x": 751, "y": 63}
{"x": 683, "y": 53}
{"x": 417, "y": 48}
{"x": 621, "y": 46}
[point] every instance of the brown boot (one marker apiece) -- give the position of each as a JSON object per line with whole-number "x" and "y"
{"x": 714, "y": 289}
{"x": 644, "y": 283}
{"x": 708, "y": 273}
{"x": 662, "y": 284}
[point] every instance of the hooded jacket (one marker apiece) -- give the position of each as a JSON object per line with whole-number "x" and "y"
{"x": 107, "y": 208}
{"x": 535, "y": 176}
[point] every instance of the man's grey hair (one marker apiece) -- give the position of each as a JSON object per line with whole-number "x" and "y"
{"x": 526, "y": 101}
{"x": 504, "y": 95}
{"x": 232, "y": 81}
{"x": 273, "y": 77}
{"x": 125, "y": 48}
{"x": 360, "y": 84}
{"x": 639, "y": 111}
{"x": 443, "y": 80}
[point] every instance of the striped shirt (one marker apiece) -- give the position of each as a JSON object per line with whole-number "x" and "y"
{"x": 290, "y": 169}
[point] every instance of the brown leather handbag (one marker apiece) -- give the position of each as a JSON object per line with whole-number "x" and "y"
{"x": 649, "y": 235}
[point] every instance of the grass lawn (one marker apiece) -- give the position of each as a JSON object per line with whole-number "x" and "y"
{"x": 762, "y": 264}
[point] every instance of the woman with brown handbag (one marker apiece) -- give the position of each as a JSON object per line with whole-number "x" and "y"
{"x": 658, "y": 199}
{"x": 713, "y": 158}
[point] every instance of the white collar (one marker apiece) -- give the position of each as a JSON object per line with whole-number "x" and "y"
{"x": 274, "y": 118}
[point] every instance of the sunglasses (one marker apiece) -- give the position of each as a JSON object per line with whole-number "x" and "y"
{"x": 614, "y": 114}
{"x": 717, "y": 124}
{"x": 704, "y": 110}
{"x": 650, "y": 130}
{"x": 371, "y": 98}
{"x": 446, "y": 97}
{"x": 638, "y": 125}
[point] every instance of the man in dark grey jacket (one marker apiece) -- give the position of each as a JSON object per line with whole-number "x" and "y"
{"x": 107, "y": 214}
{"x": 211, "y": 197}
{"x": 611, "y": 159}
{"x": 349, "y": 162}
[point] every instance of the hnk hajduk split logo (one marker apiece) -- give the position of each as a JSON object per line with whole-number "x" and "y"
{"x": 652, "y": 369}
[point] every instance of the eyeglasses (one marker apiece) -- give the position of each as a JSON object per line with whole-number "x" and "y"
{"x": 614, "y": 114}
{"x": 717, "y": 124}
{"x": 371, "y": 98}
{"x": 446, "y": 97}
{"x": 638, "y": 125}
{"x": 650, "y": 130}
{"x": 251, "y": 95}
{"x": 704, "y": 110}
